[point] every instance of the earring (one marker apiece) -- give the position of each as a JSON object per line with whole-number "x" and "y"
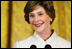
{"x": 51, "y": 19}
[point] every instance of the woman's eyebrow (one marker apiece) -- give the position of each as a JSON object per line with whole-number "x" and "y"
{"x": 40, "y": 11}
{"x": 30, "y": 13}
{"x": 37, "y": 12}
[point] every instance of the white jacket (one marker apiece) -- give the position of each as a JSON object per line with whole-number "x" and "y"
{"x": 54, "y": 41}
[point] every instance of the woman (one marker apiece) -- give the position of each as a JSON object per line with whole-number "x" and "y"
{"x": 41, "y": 14}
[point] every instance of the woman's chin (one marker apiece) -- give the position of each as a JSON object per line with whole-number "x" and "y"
{"x": 39, "y": 31}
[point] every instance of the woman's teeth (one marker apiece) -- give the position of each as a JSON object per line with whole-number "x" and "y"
{"x": 38, "y": 25}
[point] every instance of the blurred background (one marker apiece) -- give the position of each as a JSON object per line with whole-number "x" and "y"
{"x": 14, "y": 27}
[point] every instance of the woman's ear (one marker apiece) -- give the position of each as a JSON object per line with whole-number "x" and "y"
{"x": 50, "y": 19}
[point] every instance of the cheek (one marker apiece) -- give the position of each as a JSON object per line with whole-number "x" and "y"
{"x": 47, "y": 22}
{"x": 30, "y": 20}
{"x": 46, "y": 18}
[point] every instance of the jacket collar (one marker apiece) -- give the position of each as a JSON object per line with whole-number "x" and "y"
{"x": 48, "y": 41}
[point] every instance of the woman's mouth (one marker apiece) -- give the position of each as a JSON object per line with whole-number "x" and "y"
{"x": 39, "y": 24}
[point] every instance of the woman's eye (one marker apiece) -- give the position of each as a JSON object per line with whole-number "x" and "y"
{"x": 40, "y": 14}
{"x": 31, "y": 15}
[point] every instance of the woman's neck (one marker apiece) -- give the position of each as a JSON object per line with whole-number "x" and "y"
{"x": 45, "y": 35}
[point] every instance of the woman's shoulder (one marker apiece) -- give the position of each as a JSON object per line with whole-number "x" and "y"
{"x": 26, "y": 39}
{"x": 23, "y": 42}
{"x": 63, "y": 42}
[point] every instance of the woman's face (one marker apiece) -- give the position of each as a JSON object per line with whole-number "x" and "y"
{"x": 39, "y": 20}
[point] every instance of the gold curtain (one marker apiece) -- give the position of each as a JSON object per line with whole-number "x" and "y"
{"x": 4, "y": 23}
{"x": 20, "y": 29}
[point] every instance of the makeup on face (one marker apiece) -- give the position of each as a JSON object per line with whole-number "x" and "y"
{"x": 39, "y": 19}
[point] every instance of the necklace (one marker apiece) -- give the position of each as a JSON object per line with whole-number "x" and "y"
{"x": 48, "y": 37}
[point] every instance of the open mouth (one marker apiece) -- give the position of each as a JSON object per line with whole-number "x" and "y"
{"x": 39, "y": 24}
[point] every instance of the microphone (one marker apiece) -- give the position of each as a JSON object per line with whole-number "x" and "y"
{"x": 33, "y": 46}
{"x": 47, "y": 46}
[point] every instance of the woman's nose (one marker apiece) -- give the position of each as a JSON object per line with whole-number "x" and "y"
{"x": 36, "y": 19}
